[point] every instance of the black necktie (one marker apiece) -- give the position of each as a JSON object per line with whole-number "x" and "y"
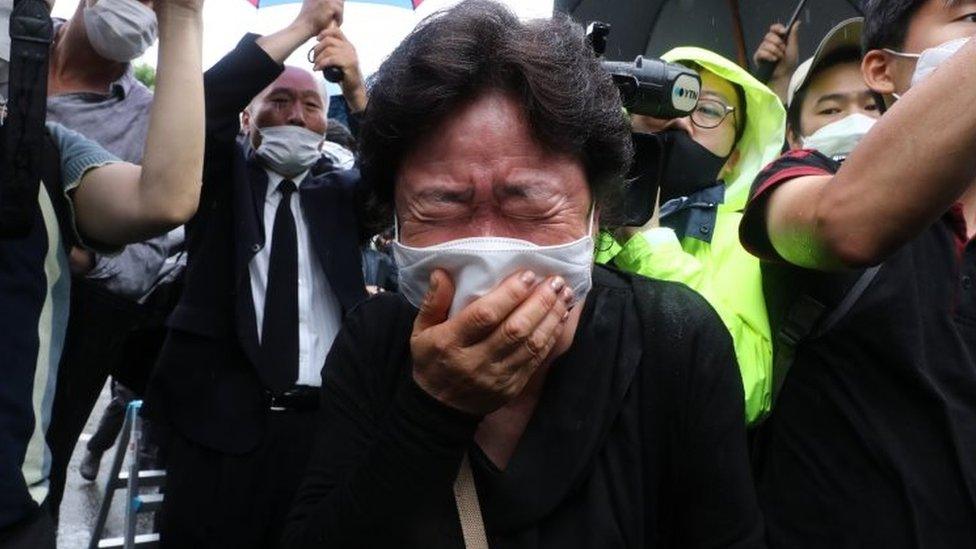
{"x": 279, "y": 334}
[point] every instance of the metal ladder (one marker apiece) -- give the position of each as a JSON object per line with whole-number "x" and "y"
{"x": 130, "y": 440}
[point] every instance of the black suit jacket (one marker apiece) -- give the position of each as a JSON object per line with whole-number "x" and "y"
{"x": 208, "y": 383}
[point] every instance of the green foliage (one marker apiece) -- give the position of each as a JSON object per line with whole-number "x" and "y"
{"x": 146, "y": 74}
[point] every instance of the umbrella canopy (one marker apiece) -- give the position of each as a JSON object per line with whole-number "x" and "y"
{"x": 410, "y": 4}
{"x": 652, "y": 27}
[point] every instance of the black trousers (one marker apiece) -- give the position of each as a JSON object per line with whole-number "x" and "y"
{"x": 107, "y": 334}
{"x": 98, "y": 323}
{"x": 215, "y": 500}
{"x": 112, "y": 419}
{"x": 37, "y": 531}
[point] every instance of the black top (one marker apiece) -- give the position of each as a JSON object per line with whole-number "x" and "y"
{"x": 873, "y": 440}
{"x": 637, "y": 439}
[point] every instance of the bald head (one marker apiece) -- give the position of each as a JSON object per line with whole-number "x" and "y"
{"x": 293, "y": 99}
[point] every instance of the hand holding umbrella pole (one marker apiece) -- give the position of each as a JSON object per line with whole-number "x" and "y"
{"x": 764, "y": 72}
{"x": 333, "y": 74}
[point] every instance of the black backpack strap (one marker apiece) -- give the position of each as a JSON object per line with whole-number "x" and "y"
{"x": 31, "y": 32}
{"x": 846, "y": 304}
{"x": 800, "y": 321}
{"x": 51, "y": 178}
{"x": 808, "y": 319}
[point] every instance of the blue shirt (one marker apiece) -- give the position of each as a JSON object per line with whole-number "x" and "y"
{"x": 34, "y": 299}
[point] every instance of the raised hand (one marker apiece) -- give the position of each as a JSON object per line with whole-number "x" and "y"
{"x": 485, "y": 355}
{"x": 335, "y": 50}
{"x": 314, "y": 17}
{"x": 317, "y": 15}
{"x": 782, "y": 50}
{"x": 779, "y": 49}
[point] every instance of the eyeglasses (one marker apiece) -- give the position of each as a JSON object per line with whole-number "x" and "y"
{"x": 710, "y": 113}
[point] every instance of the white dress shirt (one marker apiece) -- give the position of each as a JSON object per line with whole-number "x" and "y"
{"x": 319, "y": 311}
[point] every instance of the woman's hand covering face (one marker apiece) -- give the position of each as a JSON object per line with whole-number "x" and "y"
{"x": 483, "y": 357}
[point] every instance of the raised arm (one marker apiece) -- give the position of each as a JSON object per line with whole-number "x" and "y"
{"x": 314, "y": 17}
{"x": 122, "y": 203}
{"x": 242, "y": 74}
{"x": 907, "y": 172}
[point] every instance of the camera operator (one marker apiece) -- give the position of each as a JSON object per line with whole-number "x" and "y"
{"x": 89, "y": 198}
{"x": 711, "y": 158}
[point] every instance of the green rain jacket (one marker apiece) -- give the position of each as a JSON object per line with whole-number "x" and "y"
{"x": 707, "y": 256}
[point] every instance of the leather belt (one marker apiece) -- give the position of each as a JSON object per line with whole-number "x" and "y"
{"x": 300, "y": 398}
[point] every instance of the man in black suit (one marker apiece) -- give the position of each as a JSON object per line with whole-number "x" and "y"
{"x": 273, "y": 266}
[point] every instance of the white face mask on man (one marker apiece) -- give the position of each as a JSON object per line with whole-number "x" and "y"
{"x": 120, "y": 30}
{"x": 837, "y": 139}
{"x": 930, "y": 60}
{"x": 478, "y": 265}
{"x": 289, "y": 150}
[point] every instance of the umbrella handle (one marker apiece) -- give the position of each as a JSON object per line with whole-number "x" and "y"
{"x": 333, "y": 74}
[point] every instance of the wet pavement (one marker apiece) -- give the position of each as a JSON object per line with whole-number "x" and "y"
{"x": 82, "y": 498}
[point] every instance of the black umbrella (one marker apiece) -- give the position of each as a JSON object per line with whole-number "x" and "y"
{"x": 652, "y": 27}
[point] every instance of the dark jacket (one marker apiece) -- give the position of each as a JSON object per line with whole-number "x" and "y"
{"x": 637, "y": 439}
{"x": 208, "y": 383}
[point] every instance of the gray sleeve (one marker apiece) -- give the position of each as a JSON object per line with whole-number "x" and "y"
{"x": 79, "y": 155}
{"x": 139, "y": 268}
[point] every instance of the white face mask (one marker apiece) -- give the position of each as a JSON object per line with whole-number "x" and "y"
{"x": 930, "y": 59}
{"x": 120, "y": 30}
{"x": 478, "y": 265}
{"x": 837, "y": 139}
{"x": 289, "y": 150}
{"x": 340, "y": 156}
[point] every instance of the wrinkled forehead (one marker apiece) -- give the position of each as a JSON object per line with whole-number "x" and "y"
{"x": 488, "y": 148}
{"x": 296, "y": 82}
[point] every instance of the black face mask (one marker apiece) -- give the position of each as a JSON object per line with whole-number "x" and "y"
{"x": 688, "y": 166}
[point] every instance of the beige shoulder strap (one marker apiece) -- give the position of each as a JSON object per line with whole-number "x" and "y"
{"x": 469, "y": 509}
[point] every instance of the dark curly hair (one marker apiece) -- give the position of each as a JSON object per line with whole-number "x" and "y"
{"x": 458, "y": 54}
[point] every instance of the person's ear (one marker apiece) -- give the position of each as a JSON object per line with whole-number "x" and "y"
{"x": 793, "y": 139}
{"x": 879, "y": 72}
{"x": 246, "y": 120}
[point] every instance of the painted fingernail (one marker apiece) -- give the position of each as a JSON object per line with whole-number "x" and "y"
{"x": 567, "y": 296}
{"x": 557, "y": 284}
{"x": 527, "y": 278}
